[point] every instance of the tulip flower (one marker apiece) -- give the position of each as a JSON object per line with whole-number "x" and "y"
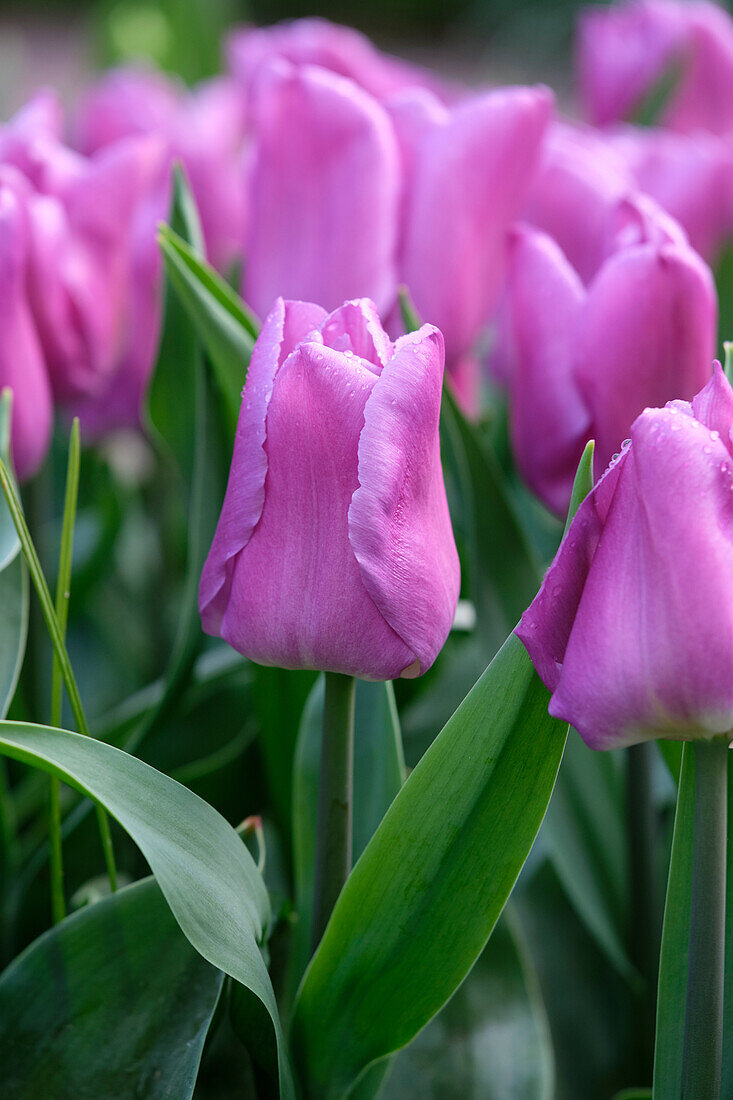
{"x": 339, "y": 49}
{"x": 22, "y": 367}
{"x": 334, "y": 548}
{"x": 690, "y": 175}
{"x": 588, "y": 360}
{"x": 632, "y": 630}
{"x": 627, "y": 51}
{"x": 467, "y": 173}
{"x": 324, "y": 191}
{"x": 92, "y": 264}
{"x": 203, "y": 128}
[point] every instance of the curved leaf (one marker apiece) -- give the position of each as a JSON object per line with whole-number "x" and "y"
{"x": 113, "y": 1001}
{"x": 208, "y": 877}
{"x": 423, "y": 899}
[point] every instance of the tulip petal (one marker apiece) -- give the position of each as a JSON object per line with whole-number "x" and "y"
{"x": 297, "y": 599}
{"x": 549, "y": 421}
{"x": 470, "y": 178}
{"x": 355, "y": 327}
{"x": 647, "y": 334}
{"x": 286, "y": 325}
{"x": 399, "y": 524}
{"x": 651, "y": 647}
{"x": 22, "y": 367}
{"x": 713, "y": 406}
{"x": 324, "y": 191}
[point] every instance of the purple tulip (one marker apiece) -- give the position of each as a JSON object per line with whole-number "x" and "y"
{"x": 626, "y": 51}
{"x": 467, "y": 173}
{"x": 204, "y": 129}
{"x": 22, "y": 367}
{"x": 690, "y": 175}
{"x": 341, "y": 50}
{"x": 632, "y": 630}
{"x": 334, "y": 548}
{"x": 588, "y": 360}
{"x": 324, "y": 191}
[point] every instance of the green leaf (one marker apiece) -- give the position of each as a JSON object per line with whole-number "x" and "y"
{"x": 222, "y": 322}
{"x": 423, "y": 899}
{"x": 204, "y": 870}
{"x": 490, "y": 1042}
{"x": 14, "y": 589}
{"x": 379, "y": 772}
{"x": 672, "y": 989}
{"x": 582, "y": 482}
{"x": 112, "y": 1002}
{"x": 634, "y": 1094}
{"x": 586, "y": 837}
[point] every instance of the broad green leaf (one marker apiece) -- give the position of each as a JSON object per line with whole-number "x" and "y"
{"x": 112, "y": 1002}
{"x": 14, "y": 589}
{"x": 490, "y": 1042}
{"x": 586, "y": 837}
{"x": 423, "y": 899}
{"x": 634, "y": 1094}
{"x": 204, "y": 870}
{"x": 219, "y": 317}
{"x": 379, "y": 772}
{"x": 672, "y": 989}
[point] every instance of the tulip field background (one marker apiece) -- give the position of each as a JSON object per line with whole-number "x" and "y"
{"x": 516, "y": 925}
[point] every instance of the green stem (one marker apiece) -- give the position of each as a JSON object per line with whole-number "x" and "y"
{"x": 52, "y": 625}
{"x": 333, "y": 836}
{"x": 703, "y": 1044}
{"x": 644, "y": 942}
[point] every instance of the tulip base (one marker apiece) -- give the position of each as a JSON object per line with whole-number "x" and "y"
{"x": 703, "y": 1044}
{"x": 334, "y": 829}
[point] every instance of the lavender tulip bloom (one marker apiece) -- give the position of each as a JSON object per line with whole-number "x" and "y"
{"x": 22, "y": 368}
{"x": 632, "y": 630}
{"x": 334, "y": 548}
{"x": 203, "y": 128}
{"x": 626, "y": 51}
{"x": 324, "y": 191}
{"x": 467, "y": 172}
{"x": 690, "y": 175}
{"x": 588, "y": 360}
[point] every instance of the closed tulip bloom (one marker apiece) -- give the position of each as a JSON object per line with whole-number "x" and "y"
{"x": 334, "y": 548}
{"x": 589, "y": 359}
{"x": 22, "y": 368}
{"x": 323, "y": 191}
{"x": 632, "y": 630}
{"x": 467, "y": 173}
{"x": 314, "y": 41}
{"x": 204, "y": 128}
{"x": 690, "y": 175}
{"x": 628, "y": 50}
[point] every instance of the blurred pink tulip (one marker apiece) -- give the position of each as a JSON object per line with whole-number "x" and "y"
{"x": 588, "y": 360}
{"x": 626, "y": 51}
{"x": 324, "y": 191}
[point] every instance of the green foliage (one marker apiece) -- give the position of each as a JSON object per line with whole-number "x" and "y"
{"x": 112, "y": 1002}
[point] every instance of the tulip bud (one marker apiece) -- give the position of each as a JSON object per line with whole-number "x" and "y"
{"x": 334, "y": 548}
{"x": 632, "y": 630}
{"x": 21, "y": 361}
{"x": 467, "y": 174}
{"x": 324, "y": 190}
{"x": 588, "y": 360}
{"x": 626, "y": 51}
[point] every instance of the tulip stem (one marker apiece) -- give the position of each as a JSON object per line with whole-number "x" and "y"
{"x": 333, "y": 836}
{"x": 703, "y": 1043}
{"x": 644, "y": 945}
